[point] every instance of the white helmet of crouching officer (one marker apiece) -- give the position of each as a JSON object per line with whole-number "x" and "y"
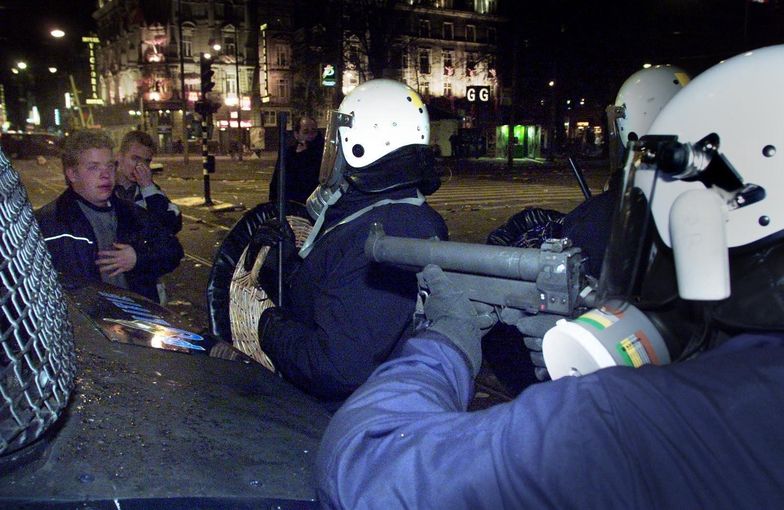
{"x": 704, "y": 195}
{"x": 640, "y": 99}
{"x": 377, "y": 141}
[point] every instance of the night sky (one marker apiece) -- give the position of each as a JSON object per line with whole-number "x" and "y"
{"x": 25, "y": 27}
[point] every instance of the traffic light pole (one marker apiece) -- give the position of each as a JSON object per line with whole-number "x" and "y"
{"x": 205, "y": 107}
{"x": 205, "y": 158}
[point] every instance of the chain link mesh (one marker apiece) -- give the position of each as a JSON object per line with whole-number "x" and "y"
{"x": 37, "y": 360}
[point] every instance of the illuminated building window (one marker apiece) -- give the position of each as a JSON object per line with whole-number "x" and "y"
{"x": 470, "y": 33}
{"x": 443, "y": 4}
{"x": 187, "y": 46}
{"x": 231, "y": 83}
{"x": 449, "y": 61}
{"x": 424, "y": 60}
{"x": 472, "y": 64}
{"x": 449, "y": 31}
{"x": 229, "y": 40}
{"x": 283, "y": 89}
{"x": 485, "y": 6}
{"x": 268, "y": 118}
{"x": 447, "y": 89}
{"x": 424, "y": 28}
{"x": 424, "y": 88}
{"x": 281, "y": 55}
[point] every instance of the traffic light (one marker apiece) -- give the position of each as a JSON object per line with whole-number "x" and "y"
{"x": 206, "y": 74}
{"x": 205, "y": 107}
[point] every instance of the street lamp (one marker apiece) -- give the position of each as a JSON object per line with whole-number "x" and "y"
{"x": 57, "y": 33}
{"x": 52, "y": 69}
{"x": 21, "y": 65}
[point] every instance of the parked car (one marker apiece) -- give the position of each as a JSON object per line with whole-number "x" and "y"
{"x": 18, "y": 145}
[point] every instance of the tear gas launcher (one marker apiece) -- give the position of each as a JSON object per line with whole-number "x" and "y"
{"x": 549, "y": 279}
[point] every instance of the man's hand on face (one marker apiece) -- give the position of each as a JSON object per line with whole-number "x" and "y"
{"x": 142, "y": 174}
{"x": 119, "y": 260}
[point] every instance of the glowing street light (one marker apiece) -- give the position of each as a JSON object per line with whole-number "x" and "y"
{"x": 52, "y": 69}
{"x": 207, "y": 56}
{"x": 21, "y": 65}
{"x": 551, "y": 83}
{"x": 57, "y": 33}
{"x": 646, "y": 66}
{"x": 15, "y": 70}
{"x": 216, "y": 46}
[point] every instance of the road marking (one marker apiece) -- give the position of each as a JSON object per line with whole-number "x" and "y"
{"x": 48, "y": 186}
{"x": 198, "y": 259}
{"x": 199, "y": 220}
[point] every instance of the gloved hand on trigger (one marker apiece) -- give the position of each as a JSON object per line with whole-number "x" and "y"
{"x": 533, "y": 328}
{"x": 452, "y": 314}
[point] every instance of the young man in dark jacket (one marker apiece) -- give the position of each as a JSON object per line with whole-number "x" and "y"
{"x": 135, "y": 184}
{"x": 342, "y": 314}
{"x": 92, "y": 234}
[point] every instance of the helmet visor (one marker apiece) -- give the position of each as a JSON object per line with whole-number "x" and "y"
{"x": 638, "y": 267}
{"x": 616, "y": 145}
{"x": 332, "y": 161}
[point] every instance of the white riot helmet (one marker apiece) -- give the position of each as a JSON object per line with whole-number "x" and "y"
{"x": 698, "y": 240}
{"x": 710, "y": 176}
{"x": 386, "y": 115}
{"x": 378, "y": 119}
{"x": 642, "y": 96}
{"x": 378, "y": 140}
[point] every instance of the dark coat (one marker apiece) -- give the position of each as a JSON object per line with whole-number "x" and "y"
{"x": 302, "y": 172}
{"x": 156, "y": 202}
{"x": 345, "y": 314}
{"x": 157, "y": 250}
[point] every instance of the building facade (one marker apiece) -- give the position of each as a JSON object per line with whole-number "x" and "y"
{"x": 272, "y": 55}
{"x": 149, "y": 63}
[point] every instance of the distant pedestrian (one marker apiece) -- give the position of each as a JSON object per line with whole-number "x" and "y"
{"x": 454, "y": 142}
{"x": 303, "y": 161}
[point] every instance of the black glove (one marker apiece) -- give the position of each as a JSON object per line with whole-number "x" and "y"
{"x": 270, "y": 234}
{"x": 452, "y": 314}
{"x": 270, "y": 322}
{"x": 533, "y": 328}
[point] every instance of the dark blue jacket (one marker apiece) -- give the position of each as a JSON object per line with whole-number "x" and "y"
{"x": 155, "y": 202}
{"x": 157, "y": 250}
{"x": 345, "y": 314}
{"x": 705, "y": 433}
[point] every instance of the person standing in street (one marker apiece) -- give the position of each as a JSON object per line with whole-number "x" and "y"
{"x": 303, "y": 160}
{"x": 135, "y": 184}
